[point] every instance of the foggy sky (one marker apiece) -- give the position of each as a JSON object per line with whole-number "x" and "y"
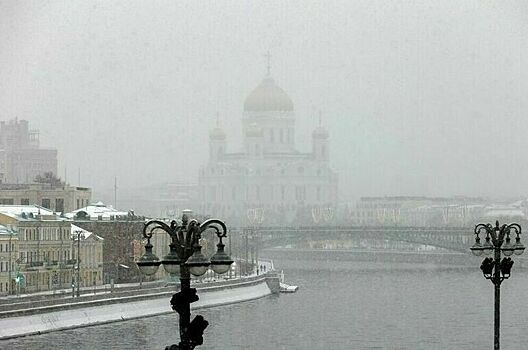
{"x": 420, "y": 98}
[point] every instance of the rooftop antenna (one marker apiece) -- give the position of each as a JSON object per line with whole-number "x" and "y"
{"x": 268, "y": 63}
{"x": 115, "y": 192}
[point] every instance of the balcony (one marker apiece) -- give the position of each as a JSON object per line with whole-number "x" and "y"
{"x": 33, "y": 265}
{"x": 52, "y": 264}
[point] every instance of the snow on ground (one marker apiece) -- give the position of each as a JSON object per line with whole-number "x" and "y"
{"x": 34, "y": 324}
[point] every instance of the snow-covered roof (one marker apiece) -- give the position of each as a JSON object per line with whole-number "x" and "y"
{"x": 28, "y": 212}
{"x": 6, "y": 230}
{"x": 85, "y": 234}
{"x": 19, "y": 209}
{"x": 96, "y": 210}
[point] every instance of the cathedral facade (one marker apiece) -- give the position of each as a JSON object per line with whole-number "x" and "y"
{"x": 269, "y": 182}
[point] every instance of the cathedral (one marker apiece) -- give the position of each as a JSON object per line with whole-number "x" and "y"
{"x": 269, "y": 182}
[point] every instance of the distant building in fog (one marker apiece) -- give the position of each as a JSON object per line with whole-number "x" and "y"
{"x": 165, "y": 200}
{"x": 59, "y": 197}
{"x": 21, "y": 158}
{"x": 416, "y": 211}
{"x": 270, "y": 173}
{"x": 99, "y": 211}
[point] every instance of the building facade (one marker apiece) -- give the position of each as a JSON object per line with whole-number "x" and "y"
{"x": 44, "y": 256}
{"x": 416, "y": 211}
{"x": 269, "y": 176}
{"x": 60, "y": 198}
{"x": 90, "y": 248}
{"x": 8, "y": 256}
{"x": 21, "y": 158}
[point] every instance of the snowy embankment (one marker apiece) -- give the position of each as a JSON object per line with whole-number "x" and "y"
{"x": 74, "y": 318}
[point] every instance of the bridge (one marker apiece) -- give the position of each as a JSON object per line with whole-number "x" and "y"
{"x": 452, "y": 238}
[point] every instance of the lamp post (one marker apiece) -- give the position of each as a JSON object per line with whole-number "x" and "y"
{"x": 185, "y": 257}
{"x": 10, "y": 267}
{"x": 79, "y": 234}
{"x": 255, "y": 218}
{"x": 497, "y": 242}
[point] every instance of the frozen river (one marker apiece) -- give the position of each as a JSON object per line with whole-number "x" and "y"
{"x": 339, "y": 305}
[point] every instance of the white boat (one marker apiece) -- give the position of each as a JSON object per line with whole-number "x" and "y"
{"x": 286, "y": 288}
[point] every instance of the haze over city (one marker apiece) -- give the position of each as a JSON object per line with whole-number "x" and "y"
{"x": 419, "y": 98}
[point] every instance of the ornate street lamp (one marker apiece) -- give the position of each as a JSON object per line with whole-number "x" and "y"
{"x": 497, "y": 242}
{"x": 185, "y": 258}
{"x": 78, "y": 234}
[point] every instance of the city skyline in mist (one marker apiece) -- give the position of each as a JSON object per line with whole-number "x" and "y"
{"x": 419, "y": 99}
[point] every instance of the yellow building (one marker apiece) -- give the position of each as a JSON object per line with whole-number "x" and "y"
{"x": 90, "y": 246}
{"x": 44, "y": 256}
{"x": 8, "y": 256}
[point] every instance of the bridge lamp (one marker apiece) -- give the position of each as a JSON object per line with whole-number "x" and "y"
{"x": 221, "y": 262}
{"x": 477, "y": 249}
{"x": 518, "y": 246}
{"x": 198, "y": 263}
{"x": 508, "y": 248}
{"x": 148, "y": 264}
{"x": 185, "y": 258}
{"x": 498, "y": 242}
{"x": 171, "y": 262}
{"x": 487, "y": 247}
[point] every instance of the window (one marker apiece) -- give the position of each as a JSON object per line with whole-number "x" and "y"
{"x": 300, "y": 193}
{"x": 46, "y": 203}
{"x": 7, "y": 201}
{"x": 59, "y": 204}
{"x": 24, "y": 201}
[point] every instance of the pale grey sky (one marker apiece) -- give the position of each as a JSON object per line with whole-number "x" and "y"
{"x": 420, "y": 97}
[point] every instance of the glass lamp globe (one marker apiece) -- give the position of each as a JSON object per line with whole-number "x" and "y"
{"x": 171, "y": 262}
{"x": 148, "y": 264}
{"x": 476, "y": 249}
{"x": 508, "y": 249}
{"x": 197, "y": 263}
{"x": 488, "y": 248}
{"x": 221, "y": 262}
{"x": 519, "y": 247}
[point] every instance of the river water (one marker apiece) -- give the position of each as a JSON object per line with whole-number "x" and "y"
{"x": 341, "y": 304}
